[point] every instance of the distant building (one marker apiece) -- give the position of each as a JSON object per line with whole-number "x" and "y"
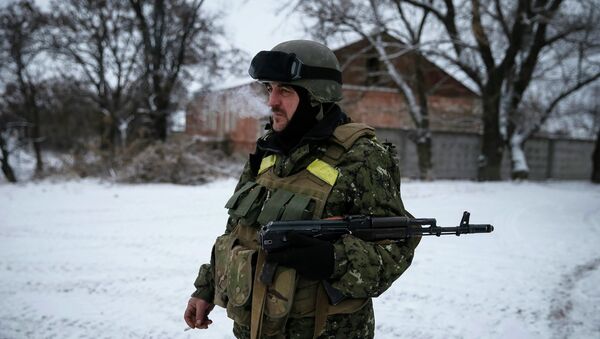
{"x": 370, "y": 95}
{"x": 237, "y": 115}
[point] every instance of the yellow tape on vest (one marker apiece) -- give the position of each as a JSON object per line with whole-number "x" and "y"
{"x": 323, "y": 171}
{"x": 266, "y": 163}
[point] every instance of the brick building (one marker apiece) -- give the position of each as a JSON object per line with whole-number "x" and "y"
{"x": 370, "y": 95}
{"x": 237, "y": 114}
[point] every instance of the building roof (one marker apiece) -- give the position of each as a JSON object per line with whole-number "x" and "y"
{"x": 468, "y": 86}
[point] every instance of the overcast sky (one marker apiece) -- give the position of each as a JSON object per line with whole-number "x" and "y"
{"x": 253, "y": 25}
{"x": 256, "y": 25}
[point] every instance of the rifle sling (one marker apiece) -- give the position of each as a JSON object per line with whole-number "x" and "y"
{"x": 321, "y": 311}
{"x": 258, "y": 298}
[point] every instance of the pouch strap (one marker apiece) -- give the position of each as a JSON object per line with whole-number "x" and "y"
{"x": 274, "y": 206}
{"x": 347, "y": 134}
{"x": 244, "y": 206}
{"x": 231, "y": 202}
{"x": 342, "y": 140}
{"x": 333, "y": 153}
{"x": 295, "y": 208}
{"x": 259, "y": 295}
{"x": 321, "y": 311}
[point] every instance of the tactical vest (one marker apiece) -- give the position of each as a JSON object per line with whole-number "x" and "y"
{"x": 239, "y": 260}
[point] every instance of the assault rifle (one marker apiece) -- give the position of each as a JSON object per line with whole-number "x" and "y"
{"x": 273, "y": 236}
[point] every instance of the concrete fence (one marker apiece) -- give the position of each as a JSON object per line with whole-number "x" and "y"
{"x": 455, "y": 156}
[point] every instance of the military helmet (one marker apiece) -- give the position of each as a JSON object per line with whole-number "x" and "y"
{"x": 304, "y": 63}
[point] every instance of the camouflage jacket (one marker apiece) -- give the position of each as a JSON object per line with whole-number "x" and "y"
{"x": 368, "y": 183}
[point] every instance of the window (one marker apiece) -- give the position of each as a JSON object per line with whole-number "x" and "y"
{"x": 373, "y": 67}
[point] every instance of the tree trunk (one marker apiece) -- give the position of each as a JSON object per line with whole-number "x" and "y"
{"x": 9, "y": 174}
{"x": 107, "y": 139}
{"x": 424, "y": 134}
{"x": 596, "y": 161}
{"x": 29, "y": 92}
{"x": 37, "y": 141}
{"x": 160, "y": 122}
{"x": 122, "y": 128}
{"x": 492, "y": 145}
{"x": 519, "y": 168}
{"x": 160, "y": 126}
{"x": 424, "y": 156}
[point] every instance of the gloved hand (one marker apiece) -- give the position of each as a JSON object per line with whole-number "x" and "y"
{"x": 312, "y": 258}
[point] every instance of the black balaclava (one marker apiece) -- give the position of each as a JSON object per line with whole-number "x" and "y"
{"x": 303, "y": 120}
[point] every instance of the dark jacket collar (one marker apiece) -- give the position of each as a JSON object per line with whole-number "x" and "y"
{"x": 320, "y": 132}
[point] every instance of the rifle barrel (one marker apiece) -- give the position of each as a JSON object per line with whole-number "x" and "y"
{"x": 458, "y": 230}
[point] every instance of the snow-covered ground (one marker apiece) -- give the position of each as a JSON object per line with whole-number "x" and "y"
{"x": 97, "y": 260}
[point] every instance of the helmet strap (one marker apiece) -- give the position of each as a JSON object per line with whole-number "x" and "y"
{"x": 314, "y": 103}
{"x": 320, "y": 115}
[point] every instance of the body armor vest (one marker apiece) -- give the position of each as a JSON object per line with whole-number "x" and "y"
{"x": 239, "y": 260}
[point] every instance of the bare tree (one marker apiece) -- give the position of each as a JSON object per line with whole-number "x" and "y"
{"x": 393, "y": 31}
{"x": 72, "y": 116}
{"x": 596, "y": 160}
{"x": 7, "y": 170}
{"x": 563, "y": 69}
{"x": 8, "y": 122}
{"x": 174, "y": 34}
{"x": 497, "y": 44}
{"x": 20, "y": 25}
{"x": 99, "y": 38}
{"x": 534, "y": 111}
{"x": 594, "y": 112}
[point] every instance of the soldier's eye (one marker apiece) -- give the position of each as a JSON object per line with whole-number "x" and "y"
{"x": 285, "y": 91}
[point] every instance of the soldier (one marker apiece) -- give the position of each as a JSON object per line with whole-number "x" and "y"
{"x": 312, "y": 163}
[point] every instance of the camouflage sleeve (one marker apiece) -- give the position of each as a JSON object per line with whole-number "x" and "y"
{"x": 204, "y": 283}
{"x": 369, "y": 183}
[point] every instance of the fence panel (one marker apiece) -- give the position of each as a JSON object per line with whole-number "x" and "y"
{"x": 572, "y": 159}
{"x": 455, "y": 156}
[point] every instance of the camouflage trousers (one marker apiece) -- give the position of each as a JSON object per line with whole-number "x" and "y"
{"x": 358, "y": 325}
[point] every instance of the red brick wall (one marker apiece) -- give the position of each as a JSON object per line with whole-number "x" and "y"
{"x": 376, "y": 108}
{"x": 452, "y": 106}
{"x": 385, "y": 108}
{"x": 354, "y": 59}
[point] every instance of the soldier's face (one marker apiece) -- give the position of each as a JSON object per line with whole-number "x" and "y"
{"x": 283, "y": 101}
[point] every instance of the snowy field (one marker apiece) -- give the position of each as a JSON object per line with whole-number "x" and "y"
{"x": 97, "y": 260}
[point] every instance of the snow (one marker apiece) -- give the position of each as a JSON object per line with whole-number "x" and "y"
{"x": 94, "y": 259}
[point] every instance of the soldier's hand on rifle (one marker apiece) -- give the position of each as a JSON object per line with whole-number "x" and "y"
{"x": 196, "y": 313}
{"x": 312, "y": 258}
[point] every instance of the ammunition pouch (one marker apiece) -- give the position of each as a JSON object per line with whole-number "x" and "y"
{"x": 279, "y": 301}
